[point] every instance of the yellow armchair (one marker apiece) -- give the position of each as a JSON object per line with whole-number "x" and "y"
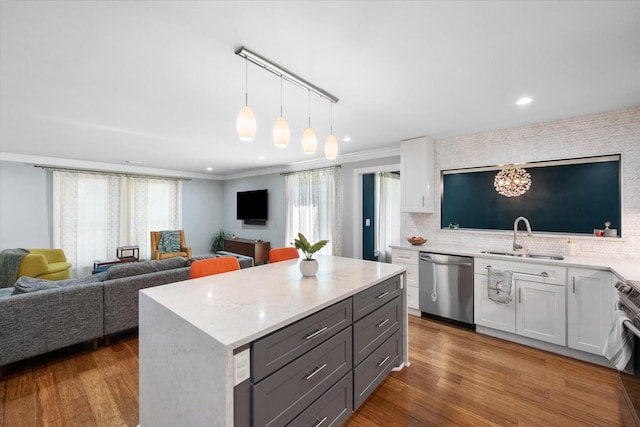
{"x": 49, "y": 264}
{"x": 158, "y": 253}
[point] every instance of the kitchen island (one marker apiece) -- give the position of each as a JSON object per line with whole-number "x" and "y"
{"x": 209, "y": 347}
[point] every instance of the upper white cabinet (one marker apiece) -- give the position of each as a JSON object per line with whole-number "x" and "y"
{"x": 417, "y": 175}
{"x": 589, "y": 308}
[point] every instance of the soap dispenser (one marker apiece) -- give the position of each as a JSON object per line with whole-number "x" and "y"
{"x": 570, "y": 249}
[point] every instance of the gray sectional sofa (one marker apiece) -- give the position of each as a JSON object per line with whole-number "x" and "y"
{"x": 38, "y": 316}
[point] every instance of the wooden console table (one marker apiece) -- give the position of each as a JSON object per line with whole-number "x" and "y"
{"x": 259, "y": 251}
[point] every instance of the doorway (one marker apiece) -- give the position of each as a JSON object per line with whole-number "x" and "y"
{"x": 370, "y": 239}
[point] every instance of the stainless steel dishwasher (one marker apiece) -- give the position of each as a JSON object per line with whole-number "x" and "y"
{"x": 446, "y": 287}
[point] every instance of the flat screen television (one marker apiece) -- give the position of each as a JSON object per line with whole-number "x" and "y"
{"x": 253, "y": 206}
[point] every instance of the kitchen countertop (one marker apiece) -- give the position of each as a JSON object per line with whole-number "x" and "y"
{"x": 238, "y": 308}
{"x": 624, "y": 268}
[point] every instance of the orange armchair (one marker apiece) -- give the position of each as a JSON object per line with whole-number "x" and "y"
{"x": 283, "y": 254}
{"x": 211, "y": 266}
{"x": 158, "y": 251}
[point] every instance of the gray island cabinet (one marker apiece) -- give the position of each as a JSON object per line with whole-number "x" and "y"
{"x": 266, "y": 347}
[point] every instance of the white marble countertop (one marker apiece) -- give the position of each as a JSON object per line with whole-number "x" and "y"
{"x": 238, "y": 307}
{"x": 627, "y": 269}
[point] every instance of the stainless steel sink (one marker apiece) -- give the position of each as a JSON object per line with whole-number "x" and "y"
{"x": 523, "y": 255}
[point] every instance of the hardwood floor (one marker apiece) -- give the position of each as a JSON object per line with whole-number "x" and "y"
{"x": 456, "y": 378}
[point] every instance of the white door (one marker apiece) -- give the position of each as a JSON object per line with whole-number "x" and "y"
{"x": 590, "y": 309}
{"x": 490, "y": 313}
{"x": 541, "y": 312}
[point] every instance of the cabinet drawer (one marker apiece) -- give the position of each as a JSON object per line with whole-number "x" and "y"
{"x": 374, "y": 369}
{"x": 547, "y": 273}
{"x": 370, "y": 299}
{"x": 370, "y": 331}
{"x": 332, "y": 409}
{"x": 276, "y": 350}
{"x": 283, "y": 395}
{"x": 404, "y": 256}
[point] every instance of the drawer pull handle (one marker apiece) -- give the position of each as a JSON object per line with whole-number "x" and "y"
{"x": 383, "y": 361}
{"x": 318, "y": 369}
{"x": 544, "y": 274}
{"x": 404, "y": 257}
{"x": 382, "y": 295}
{"x": 379, "y": 325}
{"x": 319, "y": 422}
{"x": 316, "y": 333}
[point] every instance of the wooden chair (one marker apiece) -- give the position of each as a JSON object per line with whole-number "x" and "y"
{"x": 156, "y": 253}
{"x": 283, "y": 254}
{"x": 211, "y": 266}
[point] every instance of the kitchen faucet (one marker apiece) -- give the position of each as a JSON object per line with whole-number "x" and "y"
{"x": 516, "y": 246}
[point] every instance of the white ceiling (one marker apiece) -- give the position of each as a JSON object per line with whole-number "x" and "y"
{"x": 158, "y": 82}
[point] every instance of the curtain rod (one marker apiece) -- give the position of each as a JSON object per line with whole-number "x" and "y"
{"x": 99, "y": 172}
{"x": 311, "y": 170}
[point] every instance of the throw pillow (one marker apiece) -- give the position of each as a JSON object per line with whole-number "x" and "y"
{"x": 169, "y": 242}
{"x": 26, "y": 284}
{"x": 6, "y": 292}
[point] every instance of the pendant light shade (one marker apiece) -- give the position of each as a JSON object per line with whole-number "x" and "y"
{"x": 246, "y": 124}
{"x": 246, "y": 121}
{"x": 309, "y": 138}
{"x": 331, "y": 147}
{"x": 281, "y": 133}
{"x": 309, "y": 141}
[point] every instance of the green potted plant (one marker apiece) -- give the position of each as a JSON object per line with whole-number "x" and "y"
{"x": 217, "y": 241}
{"x": 308, "y": 266}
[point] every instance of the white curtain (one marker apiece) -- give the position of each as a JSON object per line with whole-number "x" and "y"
{"x": 313, "y": 200}
{"x": 387, "y": 213}
{"x": 95, "y": 213}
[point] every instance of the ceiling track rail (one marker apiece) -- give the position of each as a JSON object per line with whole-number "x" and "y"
{"x": 282, "y": 72}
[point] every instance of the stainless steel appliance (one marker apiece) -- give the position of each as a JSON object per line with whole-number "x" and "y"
{"x": 446, "y": 287}
{"x": 629, "y": 293}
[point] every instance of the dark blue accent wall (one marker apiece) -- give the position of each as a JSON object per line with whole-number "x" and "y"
{"x": 368, "y": 211}
{"x": 572, "y": 198}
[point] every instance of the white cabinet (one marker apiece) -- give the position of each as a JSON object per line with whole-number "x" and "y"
{"x": 589, "y": 308}
{"x": 409, "y": 259}
{"x": 540, "y": 311}
{"x": 537, "y": 309}
{"x": 417, "y": 175}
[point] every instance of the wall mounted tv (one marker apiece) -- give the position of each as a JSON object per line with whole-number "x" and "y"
{"x": 253, "y": 207}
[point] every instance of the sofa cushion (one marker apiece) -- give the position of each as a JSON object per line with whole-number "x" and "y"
{"x": 131, "y": 269}
{"x": 170, "y": 263}
{"x": 27, "y": 284}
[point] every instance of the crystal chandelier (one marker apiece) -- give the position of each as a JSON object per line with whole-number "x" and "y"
{"x": 512, "y": 182}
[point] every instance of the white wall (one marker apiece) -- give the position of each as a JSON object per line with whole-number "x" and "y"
{"x": 25, "y": 206}
{"x": 202, "y": 213}
{"x": 593, "y": 135}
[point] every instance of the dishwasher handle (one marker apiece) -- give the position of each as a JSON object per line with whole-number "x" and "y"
{"x": 462, "y": 263}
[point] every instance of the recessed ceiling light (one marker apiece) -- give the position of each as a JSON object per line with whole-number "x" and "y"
{"x": 209, "y": 169}
{"x": 261, "y": 157}
{"x": 346, "y": 139}
{"x": 524, "y": 100}
{"x": 133, "y": 162}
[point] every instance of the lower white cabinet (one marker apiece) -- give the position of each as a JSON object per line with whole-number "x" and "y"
{"x": 589, "y": 308}
{"x": 540, "y": 311}
{"x": 538, "y": 307}
{"x": 409, "y": 259}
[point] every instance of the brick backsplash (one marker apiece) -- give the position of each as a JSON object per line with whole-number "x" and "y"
{"x": 615, "y": 132}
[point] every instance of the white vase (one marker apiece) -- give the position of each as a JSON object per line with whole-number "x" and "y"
{"x": 309, "y": 267}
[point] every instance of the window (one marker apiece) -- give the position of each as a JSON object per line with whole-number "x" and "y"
{"x": 313, "y": 203}
{"x": 95, "y": 213}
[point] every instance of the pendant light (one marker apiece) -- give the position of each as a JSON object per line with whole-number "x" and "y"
{"x": 246, "y": 121}
{"x": 331, "y": 143}
{"x": 281, "y": 131}
{"x": 512, "y": 181}
{"x": 309, "y": 138}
